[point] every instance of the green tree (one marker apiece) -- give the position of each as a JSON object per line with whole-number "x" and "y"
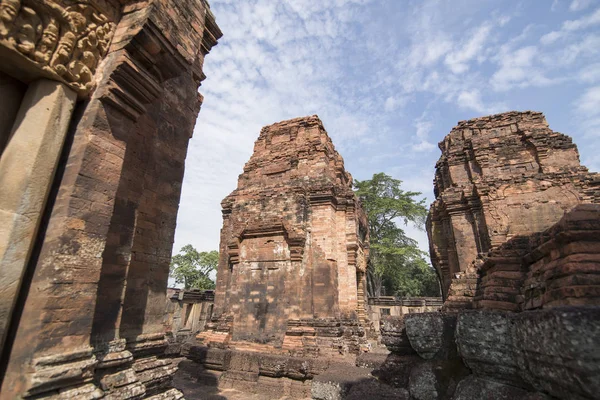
{"x": 395, "y": 260}
{"x": 191, "y": 268}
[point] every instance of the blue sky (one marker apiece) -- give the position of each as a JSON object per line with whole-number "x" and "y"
{"x": 389, "y": 79}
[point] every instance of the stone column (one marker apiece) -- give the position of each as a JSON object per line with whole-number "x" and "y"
{"x": 27, "y": 168}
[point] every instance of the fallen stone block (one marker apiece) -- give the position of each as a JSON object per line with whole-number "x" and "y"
{"x": 436, "y": 379}
{"x": 485, "y": 344}
{"x": 474, "y": 388}
{"x": 431, "y": 335}
{"x": 558, "y": 350}
{"x": 393, "y": 336}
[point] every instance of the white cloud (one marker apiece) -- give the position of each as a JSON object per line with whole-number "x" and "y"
{"x": 423, "y": 128}
{"x": 578, "y": 5}
{"x": 586, "y": 110}
{"x": 424, "y": 145}
{"x": 522, "y": 68}
{"x": 515, "y": 67}
{"x": 458, "y": 60}
{"x": 471, "y": 100}
{"x": 392, "y": 103}
{"x": 590, "y": 73}
{"x": 551, "y": 37}
{"x": 582, "y": 23}
{"x": 571, "y": 26}
{"x": 589, "y": 102}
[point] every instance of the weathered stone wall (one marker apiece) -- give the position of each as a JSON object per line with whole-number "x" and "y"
{"x": 186, "y": 314}
{"x": 499, "y": 177}
{"x": 293, "y": 245}
{"x": 556, "y": 267}
{"x": 88, "y": 319}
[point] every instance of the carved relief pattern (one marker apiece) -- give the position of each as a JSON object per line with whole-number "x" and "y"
{"x": 68, "y": 40}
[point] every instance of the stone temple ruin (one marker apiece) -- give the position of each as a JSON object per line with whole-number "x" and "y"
{"x": 500, "y": 179}
{"x": 293, "y": 248}
{"x": 291, "y": 275}
{"x": 98, "y": 100}
{"x": 514, "y": 234}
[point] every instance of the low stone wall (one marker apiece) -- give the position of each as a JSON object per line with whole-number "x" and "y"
{"x": 254, "y": 372}
{"x": 381, "y": 307}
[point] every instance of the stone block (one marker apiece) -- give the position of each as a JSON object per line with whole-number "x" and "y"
{"x": 211, "y": 358}
{"x": 393, "y": 335}
{"x": 558, "y": 350}
{"x": 485, "y": 343}
{"x": 375, "y": 390}
{"x": 395, "y": 371}
{"x": 436, "y": 379}
{"x": 431, "y": 335}
{"x": 371, "y": 360}
{"x": 475, "y": 388}
{"x": 272, "y": 365}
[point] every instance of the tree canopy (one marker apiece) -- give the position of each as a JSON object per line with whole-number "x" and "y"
{"x": 192, "y": 268}
{"x": 396, "y": 262}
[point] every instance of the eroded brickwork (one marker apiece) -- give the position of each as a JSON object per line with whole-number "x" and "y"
{"x": 499, "y": 177}
{"x": 293, "y": 251}
{"x": 89, "y": 313}
{"x": 556, "y": 267}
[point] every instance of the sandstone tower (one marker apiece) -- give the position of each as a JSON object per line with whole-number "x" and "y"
{"x": 293, "y": 248}
{"x": 499, "y": 177}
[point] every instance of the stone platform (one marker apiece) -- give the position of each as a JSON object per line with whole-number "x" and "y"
{"x": 212, "y": 373}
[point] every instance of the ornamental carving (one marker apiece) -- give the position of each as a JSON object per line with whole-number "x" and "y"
{"x": 68, "y": 40}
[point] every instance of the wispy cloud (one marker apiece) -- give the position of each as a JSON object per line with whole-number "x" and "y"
{"x": 587, "y": 107}
{"x": 571, "y": 26}
{"x": 578, "y": 5}
{"x": 458, "y": 60}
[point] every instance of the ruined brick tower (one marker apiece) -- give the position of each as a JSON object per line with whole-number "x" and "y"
{"x": 499, "y": 177}
{"x": 293, "y": 247}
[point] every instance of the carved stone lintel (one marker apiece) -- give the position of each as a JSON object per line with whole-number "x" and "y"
{"x": 294, "y": 239}
{"x": 65, "y": 40}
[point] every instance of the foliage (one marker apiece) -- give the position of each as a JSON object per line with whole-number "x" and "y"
{"x": 395, "y": 260}
{"x": 192, "y": 268}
